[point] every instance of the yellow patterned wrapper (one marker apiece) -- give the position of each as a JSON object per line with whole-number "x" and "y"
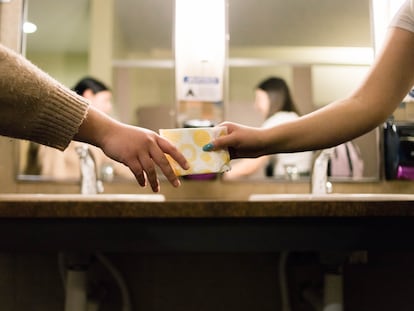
{"x": 190, "y": 142}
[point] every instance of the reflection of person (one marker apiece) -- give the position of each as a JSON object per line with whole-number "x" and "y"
{"x": 35, "y": 107}
{"x": 389, "y": 80}
{"x": 62, "y": 165}
{"x": 274, "y": 102}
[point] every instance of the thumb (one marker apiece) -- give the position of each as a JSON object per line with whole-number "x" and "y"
{"x": 218, "y": 143}
{"x": 221, "y": 142}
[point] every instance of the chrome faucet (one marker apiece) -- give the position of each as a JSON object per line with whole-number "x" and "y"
{"x": 319, "y": 181}
{"x": 90, "y": 184}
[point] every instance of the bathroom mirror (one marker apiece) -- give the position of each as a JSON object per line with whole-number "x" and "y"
{"x": 321, "y": 48}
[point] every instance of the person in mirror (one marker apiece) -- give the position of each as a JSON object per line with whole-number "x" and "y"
{"x": 388, "y": 81}
{"x": 36, "y": 107}
{"x": 66, "y": 165}
{"x": 274, "y": 102}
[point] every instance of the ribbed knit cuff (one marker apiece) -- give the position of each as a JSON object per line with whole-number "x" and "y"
{"x": 59, "y": 120}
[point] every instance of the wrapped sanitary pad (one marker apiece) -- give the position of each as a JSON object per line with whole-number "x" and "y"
{"x": 190, "y": 142}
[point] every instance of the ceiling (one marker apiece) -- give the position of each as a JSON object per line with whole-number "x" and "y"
{"x": 147, "y": 24}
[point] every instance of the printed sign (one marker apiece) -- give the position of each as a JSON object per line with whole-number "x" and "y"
{"x": 201, "y": 88}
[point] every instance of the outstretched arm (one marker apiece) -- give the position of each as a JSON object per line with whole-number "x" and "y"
{"x": 36, "y": 107}
{"x": 388, "y": 81}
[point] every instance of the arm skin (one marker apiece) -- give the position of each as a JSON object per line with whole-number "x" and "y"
{"x": 245, "y": 168}
{"x": 389, "y": 80}
{"x": 138, "y": 148}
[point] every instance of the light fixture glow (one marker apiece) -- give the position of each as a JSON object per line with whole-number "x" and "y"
{"x": 29, "y": 27}
{"x": 203, "y": 23}
{"x": 200, "y": 41}
{"x": 382, "y": 13}
{"x": 200, "y": 48}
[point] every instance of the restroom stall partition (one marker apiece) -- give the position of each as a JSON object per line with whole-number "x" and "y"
{"x": 200, "y": 51}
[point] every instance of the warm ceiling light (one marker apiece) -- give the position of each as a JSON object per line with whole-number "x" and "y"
{"x": 200, "y": 58}
{"x": 382, "y": 13}
{"x": 29, "y": 27}
{"x": 200, "y": 47}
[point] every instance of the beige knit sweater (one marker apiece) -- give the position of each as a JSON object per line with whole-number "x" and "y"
{"x": 34, "y": 106}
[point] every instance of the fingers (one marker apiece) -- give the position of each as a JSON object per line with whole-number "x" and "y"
{"x": 167, "y": 147}
{"x": 218, "y": 143}
{"x": 138, "y": 172}
{"x": 155, "y": 155}
{"x": 144, "y": 170}
{"x": 141, "y": 150}
{"x": 151, "y": 173}
{"x": 168, "y": 172}
{"x": 158, "y": 155}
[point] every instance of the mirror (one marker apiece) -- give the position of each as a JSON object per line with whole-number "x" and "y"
{"x": 322, "y": 49}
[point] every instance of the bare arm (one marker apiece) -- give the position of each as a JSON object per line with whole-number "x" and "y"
{"x": 387, "y": 83}
{"x": 245, "y": 168}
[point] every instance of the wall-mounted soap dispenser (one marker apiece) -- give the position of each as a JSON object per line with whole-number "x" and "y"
{"x": 200, "y": 45}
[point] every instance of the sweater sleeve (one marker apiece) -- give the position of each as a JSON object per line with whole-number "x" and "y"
{"x": 34, "y": 106}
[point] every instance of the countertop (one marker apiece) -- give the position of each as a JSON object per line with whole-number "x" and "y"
{"x": 155, "y": 206}
{"x": 146, "y": 223}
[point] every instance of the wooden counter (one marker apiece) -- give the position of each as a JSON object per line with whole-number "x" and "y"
{"x": 132, "y": 223}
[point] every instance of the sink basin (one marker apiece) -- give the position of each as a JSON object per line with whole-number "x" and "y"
{"x": 332, "y": 197}
{"x": 77, "y": 197}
